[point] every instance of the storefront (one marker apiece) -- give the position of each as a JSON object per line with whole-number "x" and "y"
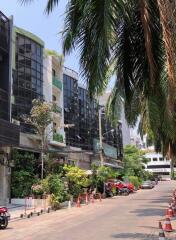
{"x": 9, "y": 136}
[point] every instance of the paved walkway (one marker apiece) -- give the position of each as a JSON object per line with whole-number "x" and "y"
{"x": 133, "y": 217}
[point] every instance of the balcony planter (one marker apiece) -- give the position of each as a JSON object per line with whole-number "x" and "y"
{"x": 58, "y": 137}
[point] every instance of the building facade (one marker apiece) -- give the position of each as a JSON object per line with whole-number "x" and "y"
{"x": 9, "y": 133}
{"x": 27, "y": 72}
{"x": 83, "y": 113}
{"x": 53, "y": 93}
{"x": 158, "y": 165}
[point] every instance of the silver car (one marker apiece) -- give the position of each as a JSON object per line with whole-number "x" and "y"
{"x": 147, "y": 185}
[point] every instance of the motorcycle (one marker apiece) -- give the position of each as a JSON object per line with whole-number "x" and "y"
{"x": 123, "y": 191}
{"x": 4, "y": 217}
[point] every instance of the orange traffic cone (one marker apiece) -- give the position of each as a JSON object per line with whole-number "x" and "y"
{"x": 170, "y": 212}
{"x": 92, "y": 196}
{"x": 161, "y": 232}
{"x": 78, "y": 202}
{"x": 86, "y": 199}
{"x": 168, "y": 226}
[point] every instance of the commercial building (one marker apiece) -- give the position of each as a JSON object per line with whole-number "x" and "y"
{"x": 28, "y": 72}
{"x": 158, "y": 165}
{"x": 9, "y": 133}
{"x": 83, "y": 113}
{"x": 27, "y": 65}
{"x": 53, "y": 93}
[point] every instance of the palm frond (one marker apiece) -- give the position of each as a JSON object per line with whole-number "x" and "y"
{"x": 51, "y": 4}
{"x": 24, "y": 2}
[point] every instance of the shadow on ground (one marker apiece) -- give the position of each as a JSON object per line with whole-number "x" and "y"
{"x": 146, "y": 212}
{"x": 137, "y": 236}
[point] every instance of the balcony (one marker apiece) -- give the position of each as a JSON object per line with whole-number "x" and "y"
{"x": 58, "y": 137}
{"x": 56, "y": 108}
{"x": 57, "y": 83}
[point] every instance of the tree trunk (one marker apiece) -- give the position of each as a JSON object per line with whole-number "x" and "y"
{"x": 172, "y": 168}
{"x": 42, "y": 156}
{"x": 167, "y": 10}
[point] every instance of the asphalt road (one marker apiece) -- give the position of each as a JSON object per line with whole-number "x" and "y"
{"x": 132, "y": 217}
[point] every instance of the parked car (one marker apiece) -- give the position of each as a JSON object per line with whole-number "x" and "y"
{"x": 118, "y": 184}
{"x": 147, "y": 185}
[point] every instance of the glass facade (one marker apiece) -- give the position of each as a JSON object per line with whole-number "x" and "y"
{"x": 82, "y": 111}
{"x": 71, "y": 110}
{"x": 4, "y": 67}
{"x": 28, "y": 75}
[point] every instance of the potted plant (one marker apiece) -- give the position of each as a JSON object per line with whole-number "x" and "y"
{"x": 37, "y": 190}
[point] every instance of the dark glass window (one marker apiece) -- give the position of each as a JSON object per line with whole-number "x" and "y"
{"x": 29, "y": 75}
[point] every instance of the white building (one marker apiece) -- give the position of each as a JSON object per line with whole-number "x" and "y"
{"x": 53, "y": 93}
{"x": 158, "y": 165}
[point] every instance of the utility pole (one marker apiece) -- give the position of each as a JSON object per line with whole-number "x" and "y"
{"x": 100, "y": 138}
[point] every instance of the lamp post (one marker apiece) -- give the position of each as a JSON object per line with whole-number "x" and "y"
{"x": 100, "y": 137}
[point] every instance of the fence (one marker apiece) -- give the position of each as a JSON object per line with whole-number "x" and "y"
{"x": 30, "y": 206}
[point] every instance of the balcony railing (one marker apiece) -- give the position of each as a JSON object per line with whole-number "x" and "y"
{"x": 57, "y": 83}
{"x": 58, "y": 137}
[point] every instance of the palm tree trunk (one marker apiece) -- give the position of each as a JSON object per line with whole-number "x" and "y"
{"x": 172, "y": 168}
{"x": 167, "y": 10}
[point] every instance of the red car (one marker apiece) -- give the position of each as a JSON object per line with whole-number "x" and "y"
{"x": 119, "y": 184}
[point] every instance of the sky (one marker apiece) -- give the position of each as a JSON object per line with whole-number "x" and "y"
{"x": 32, "y": 18}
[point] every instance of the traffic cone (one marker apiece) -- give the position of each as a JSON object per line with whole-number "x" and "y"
{"x": 86, "y": 199}
{"x": 78, "y": 202}
{"x": 170, "y": 212}
{"x": 161, "y": 232}
{"x": 92, "y": 196}
{"x": 167, "y": 225}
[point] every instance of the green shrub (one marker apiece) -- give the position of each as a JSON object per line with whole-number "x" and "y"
{"x": 54, "y": 185}
{"x": 136, "y": 181}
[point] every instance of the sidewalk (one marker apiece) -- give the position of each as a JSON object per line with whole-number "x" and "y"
{"x": 15, "y": 210}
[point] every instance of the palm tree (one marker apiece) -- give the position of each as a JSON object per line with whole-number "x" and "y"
{"x": 134, "y": 39}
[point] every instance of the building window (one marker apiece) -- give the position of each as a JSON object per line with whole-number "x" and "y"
{"x": 155, "y": 159}
{"x": 53, "y": 72}
{"x": 29, "y": 75}
{"x": 161, "y": 159}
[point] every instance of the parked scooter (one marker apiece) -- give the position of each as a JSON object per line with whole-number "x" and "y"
{"x": 4, "y": 217}
{"x": 123, "y": 191}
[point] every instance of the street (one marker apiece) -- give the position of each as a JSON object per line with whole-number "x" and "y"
{"x": 132, "y": 217}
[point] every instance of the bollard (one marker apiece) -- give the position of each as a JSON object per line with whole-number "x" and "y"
{"x": 92, "y": 196}
{"x": 100, "y": 197}
{"x": 69, "y": 204}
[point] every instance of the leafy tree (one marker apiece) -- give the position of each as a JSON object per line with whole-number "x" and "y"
{"x": 77, "y": 179}
{"x": 40, "y": 118}
{"x": 100, "y": 175}
{"x": 133, "y": 161}
{"x": 135, "y": 40}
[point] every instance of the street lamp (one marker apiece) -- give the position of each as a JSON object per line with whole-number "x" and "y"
{"x": 100, "y": 137}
